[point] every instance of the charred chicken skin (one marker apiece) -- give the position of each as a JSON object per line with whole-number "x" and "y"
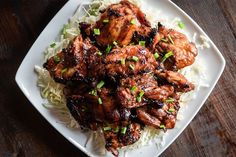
{"x": 122, "y": 87}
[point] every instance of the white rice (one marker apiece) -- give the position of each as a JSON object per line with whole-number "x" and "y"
{"x": 53, "y": 92}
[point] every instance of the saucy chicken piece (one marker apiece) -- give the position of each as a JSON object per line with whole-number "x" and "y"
{"x": 81, "y": 111}
{"x": 117, "y": 24}
{"x": 180, "y": 83}
{"x": 159, "y": 93}
{"x": 130, "y": 60}
{"x": 105, "y": 107}
{"x": 70, "y": 64}
{"x": 156, "y": 116}
{"x": 130, "y": 88}
{"x": 147, "y": 118}
{"x": 184, "y": 51}
{"x": 119, "y": 136}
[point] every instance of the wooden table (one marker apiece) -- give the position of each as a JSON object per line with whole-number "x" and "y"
{"x": 24, "y": 132}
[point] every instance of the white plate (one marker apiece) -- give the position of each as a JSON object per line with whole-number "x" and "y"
{"x": 26, "y": 78}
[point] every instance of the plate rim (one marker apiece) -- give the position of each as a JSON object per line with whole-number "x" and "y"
{"x": 219, "y": 74}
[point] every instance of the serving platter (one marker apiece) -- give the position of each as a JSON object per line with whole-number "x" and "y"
{"x": 26, "y": 78}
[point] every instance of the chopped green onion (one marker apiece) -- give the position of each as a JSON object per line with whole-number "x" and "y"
{"x": 170, "y": 100}
{"x": 141, "y": 93}
{"x": 96, "y": 31}
{"x": 133, "y": 89}
{"x": 171, "y": 40}
{"x": 171, "y": 110}
{"x": 131, "y": 67}
{"x": 115, "y": 43}
{"x": 64, "y": 29}
{"x": 134, "y": 58}
{"x": 99, "y": 101}
{"x": 123, "y": 130}
{"x": 107, "y": 128}
{"x": 156, "y": 55}
{"x": 99, "y": 53}
{"x": 105, "y": 20}
{"x": 63, "y": 71}
{"x": 142, "y": 43}
{"x": 84, "y": 108}
{"x": 162, "y": 126}
{"x": 132, "y": 43}
{"x": 139, "y": 98}
{"x": 56, "y": 59}
{"x": 93, "y": 92}
{"x": 122, "y": 61}
{"x": 53, "y": 45}
{"x": 133, "y": 22}
{"x": 100, "y": 84}
{"x": 108, "y": 49}
{"x": 164, "y": 40}
{"x": 116, "y": 130}
{"x": 181, "y": 25}
{"x": 169, "y": 54}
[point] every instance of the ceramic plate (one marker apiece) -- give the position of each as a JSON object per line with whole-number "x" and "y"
{"x": 26, "y": 78}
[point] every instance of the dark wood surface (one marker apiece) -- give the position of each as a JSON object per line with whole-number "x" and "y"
{"x": 24, "y": 132}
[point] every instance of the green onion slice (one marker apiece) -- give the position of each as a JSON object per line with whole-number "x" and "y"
{"x": 133, "y": 89}
{"x": 156, "y": 55}
{"x": 53, "y": 45}
{"x": 100, "y": 84}
{"x": 115, "y": 43}
{"x": 99, "y": 101}
{"x": 99, "y": 53}
{"x": 123, "y": 130}
{"x": 56, "y": 59}
{"x": 133, "y": 22}
{"x": 171, "y": 110}
{"x": 164, "y": 40}
{"x": 122, "y": 61}
{"x": 139, "y": 98}
{"x": 106, "y": 21}
{"x": 131, "y": 67}
{"x": 116, "y": 130}
{"x": 142, "y": 43}
{"x": 181, "y": 25}
{"x": 65, "y": 29}
{"x": 169, "y": 54}
{"x": 96, "y": 31}
{"x": 171, "y": 40}
{"x": 141, "y": 93}
{"x": 135, "y": 58}
{"x": 63, "y": 71}
{"x": 107, "y": 128}
{"x": 170, "y": 100}
{"x": 162, "y": 126}
{"x": 108, "y": 49}
{"x": 93, "y": 92}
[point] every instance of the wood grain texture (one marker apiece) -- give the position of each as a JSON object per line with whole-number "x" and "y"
{"x": 24, "y": 132}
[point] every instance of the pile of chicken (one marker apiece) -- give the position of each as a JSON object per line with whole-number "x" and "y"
{"x": 121, "y": 74}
